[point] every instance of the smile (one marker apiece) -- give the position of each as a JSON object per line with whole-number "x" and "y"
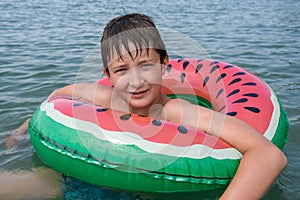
{"x": 139, "y": 92}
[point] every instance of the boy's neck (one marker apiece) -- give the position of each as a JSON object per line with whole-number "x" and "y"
{"x": 154, "y": 110}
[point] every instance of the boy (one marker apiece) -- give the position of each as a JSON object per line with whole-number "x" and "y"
{"x": 135, "y": 59}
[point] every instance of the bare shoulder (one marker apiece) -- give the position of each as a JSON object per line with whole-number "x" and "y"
{"x": 89, "y": 92}
{"x": 174, "y": 105}
{"x": 103, "y": 95}
{"x": 173, "y": 110}
{"x": 183, "y": 112}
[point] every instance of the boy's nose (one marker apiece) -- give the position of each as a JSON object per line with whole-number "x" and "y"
{"x": 135, "y": 79}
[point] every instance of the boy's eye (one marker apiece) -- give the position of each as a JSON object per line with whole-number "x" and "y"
{"x": 146, "y": 66}
{"x": 121, "y": 70}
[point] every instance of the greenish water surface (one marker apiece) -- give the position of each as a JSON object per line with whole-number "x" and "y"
{"x": 48, "y": 44}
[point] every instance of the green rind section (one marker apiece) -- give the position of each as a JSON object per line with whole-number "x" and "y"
{"x": 85, "y": 157}
{"x": 281, "y": 135}
{"x": 109, "y": 177}
{"x": 174, "y": 174}
{"x": 88, "y": 145}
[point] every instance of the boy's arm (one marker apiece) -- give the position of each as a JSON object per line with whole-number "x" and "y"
{"x": 83, "y": 91}
{"x": 46, "y": 184}
{"x": 262, "y": 161}
{"x": 90, "y": 92}
{"x": 17, "y": 135}
{"x": 260, "y": 165}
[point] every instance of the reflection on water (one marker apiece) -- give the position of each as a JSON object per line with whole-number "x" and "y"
{"x": 46, "y": 45}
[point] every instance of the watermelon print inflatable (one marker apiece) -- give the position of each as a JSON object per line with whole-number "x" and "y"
{"x": 125, "y": 151}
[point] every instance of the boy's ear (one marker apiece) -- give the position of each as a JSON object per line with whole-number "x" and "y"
{"x": 164, "y": 64}
{"x": 105, "y": 72}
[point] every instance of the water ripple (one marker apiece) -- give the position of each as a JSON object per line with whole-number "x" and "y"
{"x": 49, "y": 44}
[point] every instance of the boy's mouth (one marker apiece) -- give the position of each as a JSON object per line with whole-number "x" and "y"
{"x": 139, "y": 92}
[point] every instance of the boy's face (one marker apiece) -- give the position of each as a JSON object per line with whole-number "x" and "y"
{"x": 137, "y": 79}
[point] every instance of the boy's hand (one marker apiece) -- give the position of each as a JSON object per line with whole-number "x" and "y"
{"x": 17, "y": 135}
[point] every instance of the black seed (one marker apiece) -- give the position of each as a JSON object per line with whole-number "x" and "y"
{"x": 125, "y": 116}
{"x": 169, "y": 67}
{"x": 250, "y": 83}
{"x": 235, "y": 81}
{"x": 182, "y": 77}
{"x": 251, "y": 95}
{"x": 182, "y": 129}
{"x": 233, "y": 92}
{"x": 242, "y": 100}
{"x": 179, "y": 60}
{"x": 219, "y": 93}
{"x": 199, "y": 60}
{"x": 239, "y": 73}
{"x": 213, "y": 63}
{"x": 199, "y": 66}
{"x": 221, "y": 77}
{"x": 102, "y": 109}
{"x": 228, "y": 66}
{"x": 253, "y": 109}
{"x": 205, "y": 81}
{"x": 156, "y": 122}
{"x": 185, "y": 64}
{"x": 214, "y": 68}
{"x": 77, "y": 104}
{"x": 231, "y": 113}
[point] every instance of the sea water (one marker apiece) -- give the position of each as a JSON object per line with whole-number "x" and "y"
{"x": 49, "y": 44}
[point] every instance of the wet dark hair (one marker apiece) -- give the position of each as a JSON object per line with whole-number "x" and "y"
{"x": 137, "y": 29}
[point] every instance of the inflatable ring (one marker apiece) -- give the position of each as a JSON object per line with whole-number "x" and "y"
{"x": 125, "y": 151}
